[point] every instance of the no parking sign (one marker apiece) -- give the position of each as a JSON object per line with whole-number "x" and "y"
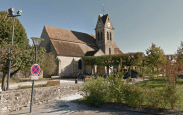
{"x": 35, "y": 69}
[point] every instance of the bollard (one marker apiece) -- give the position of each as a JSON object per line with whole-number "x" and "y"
{"x": 76, "y": 81}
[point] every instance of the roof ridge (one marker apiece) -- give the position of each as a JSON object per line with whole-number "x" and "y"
{"x": 70, "y": 30}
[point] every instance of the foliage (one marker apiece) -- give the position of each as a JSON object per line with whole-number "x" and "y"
{"x": 6, "y": 23}
{"x": 155, "y": 57}
{"x": 96, "y": 89}
{"x": 49, "y": 64}
{"x": 130, "y": 59}
{"x": 160, "y": 93}
{"x": 133, "y": 95}
{"x": 116, "y": 87}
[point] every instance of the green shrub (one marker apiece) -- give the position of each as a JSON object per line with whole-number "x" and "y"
{"x": 133, "y": 95}
{"x": 153, "y": 98}
{"x": 116, "y": 88}
{"x": 170, "y": 95}
{"x": 96, "y": 88}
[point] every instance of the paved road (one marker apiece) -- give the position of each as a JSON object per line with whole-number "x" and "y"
{"x": 67, "y": 106}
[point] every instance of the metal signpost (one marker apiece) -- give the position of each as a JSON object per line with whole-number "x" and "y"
{"x": 35, "y": 69}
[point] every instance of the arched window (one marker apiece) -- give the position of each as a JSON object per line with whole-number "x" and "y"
{"x": 98, "y": 37}
{"x": 101, "y": 35}
{"x": 107, "y": 36}
{"x": 110, "y": 37}
{"x": 80, "y": 64}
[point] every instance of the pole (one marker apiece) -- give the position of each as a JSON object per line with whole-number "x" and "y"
{"x": 33, "y": 81}
{"x": 32, "y": 96}
{"x": 10, "y": 55}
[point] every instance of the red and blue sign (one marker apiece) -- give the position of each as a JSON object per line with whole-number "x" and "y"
{"x": 35, "y": 69}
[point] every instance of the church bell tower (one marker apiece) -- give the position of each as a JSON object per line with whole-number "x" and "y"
{"x": 104, "y": 34}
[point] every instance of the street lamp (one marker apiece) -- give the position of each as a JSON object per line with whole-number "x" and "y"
{"x": 37, "y": 43}
{"x": 11, "y": 12}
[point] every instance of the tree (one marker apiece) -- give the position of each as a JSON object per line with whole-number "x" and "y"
{"x": 22, "y": 59}
{"x": 49, "y": 65}
{"x": 21, "y": 56}
{"x": 155, "y": 57}
{"x": 6, "y": 23}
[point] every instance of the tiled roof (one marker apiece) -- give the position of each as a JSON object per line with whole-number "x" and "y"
{"x": 67, "y": 49}
{"x": 115, "y": 46}
{"x": 68, "y": 35}
{"x": 117, "y": 51}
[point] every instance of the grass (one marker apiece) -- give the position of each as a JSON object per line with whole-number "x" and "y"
{"x": 18, "y": 81}
{"x": 159, "y": 83}
{"x": 41, "y": 85}
{"x": 12, "y": 80}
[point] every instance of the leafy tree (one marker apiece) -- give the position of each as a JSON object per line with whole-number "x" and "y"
{"x": 155, "y": 57}
{"x": 22, "y": 59}
{"x": 49, "y": 64}
{"x": 6, "y": 23}
{"x": 22, "y": 54}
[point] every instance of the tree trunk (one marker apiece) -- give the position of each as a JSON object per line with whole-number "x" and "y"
{"x": 4, "y": 82}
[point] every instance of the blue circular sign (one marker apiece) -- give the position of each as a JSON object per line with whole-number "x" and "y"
{"x": 35, "y": 69}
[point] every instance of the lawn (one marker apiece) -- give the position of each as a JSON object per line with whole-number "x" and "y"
{"x": 35, "y": 86}
{"x": 17, "y": 80}
{"x": 159, "y": 83}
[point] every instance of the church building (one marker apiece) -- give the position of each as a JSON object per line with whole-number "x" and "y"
{"x": 69, "y": 46}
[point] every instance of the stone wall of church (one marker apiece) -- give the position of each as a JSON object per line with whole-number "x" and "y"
{"x": 46, "y": 42}
{"x": 69, "y": 65}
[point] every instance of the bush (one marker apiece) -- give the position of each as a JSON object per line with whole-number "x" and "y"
{"x": 96, "y": 89}
{"x": 170, "y": 95}
{"x": 116, "y": 87}
{"x": 133, "y": 95}
{"x": 153, "y": 98}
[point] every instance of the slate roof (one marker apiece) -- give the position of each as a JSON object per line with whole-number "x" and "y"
{"x": 104, "y": 17}
{"x": 67, "y": 49}
{"x": 91, "y": 53}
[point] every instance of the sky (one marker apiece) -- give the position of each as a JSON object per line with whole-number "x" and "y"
{"x": 137, "y": 23}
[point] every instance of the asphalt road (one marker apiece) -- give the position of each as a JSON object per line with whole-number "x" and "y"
{"x": 67, "y": 106}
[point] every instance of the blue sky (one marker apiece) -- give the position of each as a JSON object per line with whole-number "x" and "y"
{"x": 137, "y": 23}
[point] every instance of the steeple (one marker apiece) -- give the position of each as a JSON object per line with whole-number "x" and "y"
{"x": 104, "y": 34}
{"x": 103, "y": 9}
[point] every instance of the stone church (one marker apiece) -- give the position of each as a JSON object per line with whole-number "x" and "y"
{"x": 69, "y": 46}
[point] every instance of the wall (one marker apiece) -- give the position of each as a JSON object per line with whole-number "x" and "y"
{"x": 14, "y": 100}
{"x": 69, "y": 65}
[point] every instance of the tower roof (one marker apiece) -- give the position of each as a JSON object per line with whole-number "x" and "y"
{"x": 104, "y": 17}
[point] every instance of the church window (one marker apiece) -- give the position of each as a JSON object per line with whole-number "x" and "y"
{"x": 110, "y": 37}
{"x": 98, "y": 37}
{"x": 109, "y": 51}
{"x": 101, "y": 35}
{"x": 107, "y": 35}
{"x": 80, "y": 64}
